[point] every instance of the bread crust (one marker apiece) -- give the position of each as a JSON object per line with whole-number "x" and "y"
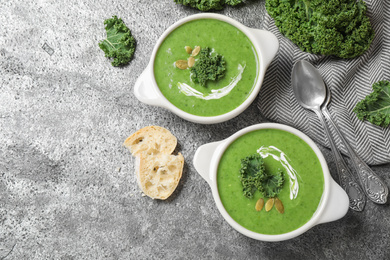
{"x": 158, "y": 171}
{"x": 151, "y": 140}
{"x": 159, "y": 175}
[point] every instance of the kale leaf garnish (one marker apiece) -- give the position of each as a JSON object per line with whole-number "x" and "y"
{"x": 254, "y": 177}
{"x": 208, "y": 66}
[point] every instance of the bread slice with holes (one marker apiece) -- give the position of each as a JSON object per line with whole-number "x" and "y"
{"x": 158, "y": 170}
{"x": 159, "y": 175}
{"x": 151, "y": 140}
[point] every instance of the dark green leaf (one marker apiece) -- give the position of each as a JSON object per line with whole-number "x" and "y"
{"x": 254, "y": 177}
{"x": 207, "y": 5}
{"x": 375, "y": 108}
{"x": 208, "y": 66}
{"x": 119, "y": 44}
{"x": 270, "y": 184}
{"x": 331, "y": 27}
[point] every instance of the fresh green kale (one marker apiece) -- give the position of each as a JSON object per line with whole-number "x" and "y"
{"x": 333, "y": 27}
{"x": 119, "y": 44}
{"x": 254, "y": 177}
{"x": 270, "y": 184}
{"x": 376, "y": 106}
{"x": 252, "y": 169}
{"x": 207, "y": 5}
{"x": 208, "y": 66}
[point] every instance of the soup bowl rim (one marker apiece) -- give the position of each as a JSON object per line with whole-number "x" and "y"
{"x": 265, "y": 44}
{"x": 322, "y": 208}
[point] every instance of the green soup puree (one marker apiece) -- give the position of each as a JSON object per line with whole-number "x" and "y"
{"x": 217, "y": 97}
{"x": 309, "y": 179}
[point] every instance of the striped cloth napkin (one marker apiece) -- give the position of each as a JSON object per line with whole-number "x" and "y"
{"x": 349, "y": 80}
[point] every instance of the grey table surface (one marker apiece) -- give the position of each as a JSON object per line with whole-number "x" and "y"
{"x": 67, "y": 185}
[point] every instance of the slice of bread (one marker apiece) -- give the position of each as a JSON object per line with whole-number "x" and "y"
{"x": 151, "y": 140}
{"x": 159, "y": 175}
{"x": 158, "y": 171}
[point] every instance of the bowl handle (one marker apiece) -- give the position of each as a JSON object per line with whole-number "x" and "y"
{"x": 203, "y": 158}
{"x": 337, "y": 205}
{"x": 144, "y": 88}
{"x": 268, "y": 47}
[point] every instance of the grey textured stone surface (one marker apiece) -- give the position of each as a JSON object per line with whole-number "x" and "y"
{"x": 67, "y": 186}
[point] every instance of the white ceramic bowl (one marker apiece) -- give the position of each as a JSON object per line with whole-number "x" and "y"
{"x": 333, "y": 205}
{"x": 265, "y": 43}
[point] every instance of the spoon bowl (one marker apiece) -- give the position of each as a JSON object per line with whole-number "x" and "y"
{"x": 308, "y": 86}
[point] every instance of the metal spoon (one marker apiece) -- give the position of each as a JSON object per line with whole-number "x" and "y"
{"x": 376, "y": 190}
{"x": 310, "y": 92}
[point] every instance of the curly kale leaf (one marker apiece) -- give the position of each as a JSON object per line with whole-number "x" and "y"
{"x": 376, "y": 106}
{"x": 208, "y": 66}
{"x": 233, "y": 2}
{"x": 334, "y": 27}
{"x": 207, "y": 5}
{"x": 254, "y": 177}
{"x": 119, "y": 44}
{"x": 252, "y": 169}
{"x": 270, "y": 184}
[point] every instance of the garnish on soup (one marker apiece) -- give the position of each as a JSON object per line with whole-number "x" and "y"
{"x": 252, "y": 168}
{"x": 254, "y": 177}
{"x": 208, "y": 66}
{"x": 270, "y": 184}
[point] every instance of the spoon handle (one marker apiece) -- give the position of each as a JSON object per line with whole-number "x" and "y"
{"x": 375, "y": 188}
{"x": 357, "y": 200}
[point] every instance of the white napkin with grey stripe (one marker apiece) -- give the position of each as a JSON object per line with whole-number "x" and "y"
{"x": 349, "y": 80}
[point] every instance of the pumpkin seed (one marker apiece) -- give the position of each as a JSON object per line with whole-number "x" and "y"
{"x": 181, "y": 64}
{"x": 269, "y": 204}
{"x": 191, "y": 61}
{"x": 259, "y": 204}
{"x": 195, "y": 51}
{"x": 279, "y": 205}
{"x": 188, "y": 49}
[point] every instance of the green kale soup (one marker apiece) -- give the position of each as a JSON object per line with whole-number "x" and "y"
{"x": 217, "y": 97}
{"x": 302, "y": 188}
